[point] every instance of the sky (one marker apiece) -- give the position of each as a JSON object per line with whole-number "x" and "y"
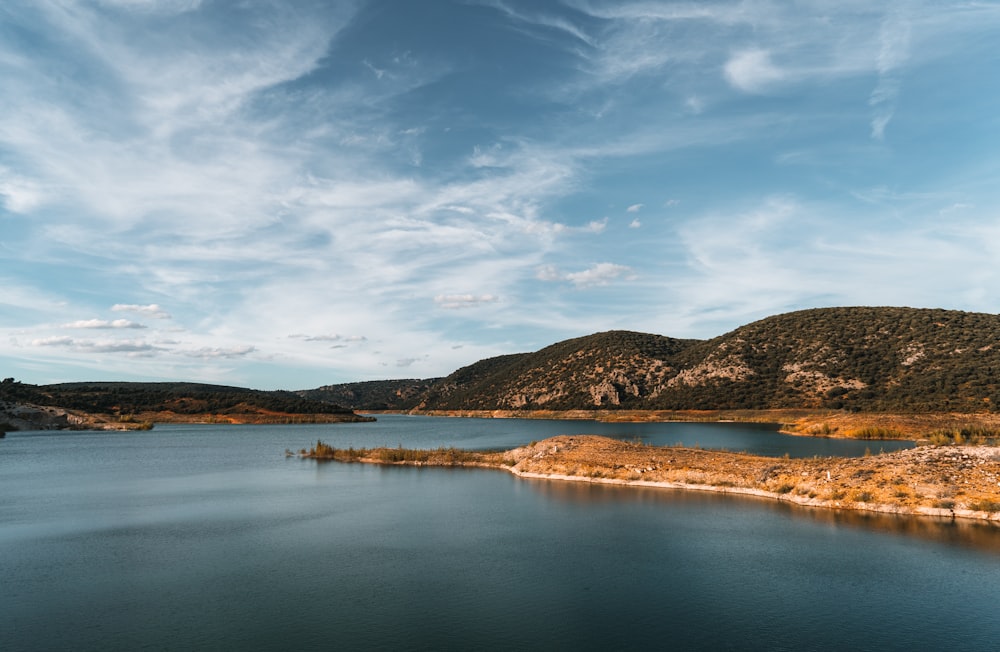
{"x": 286, "y": 194}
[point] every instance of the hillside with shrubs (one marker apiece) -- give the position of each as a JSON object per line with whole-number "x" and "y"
{"x": 855, "y": 359}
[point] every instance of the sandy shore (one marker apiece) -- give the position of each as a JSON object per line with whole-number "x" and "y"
{"x": 939, "y": 481}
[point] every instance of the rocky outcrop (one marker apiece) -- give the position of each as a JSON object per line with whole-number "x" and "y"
{"x": 16, "y": 416}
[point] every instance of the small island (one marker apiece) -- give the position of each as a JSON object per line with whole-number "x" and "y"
{"x": 948, "y": 481}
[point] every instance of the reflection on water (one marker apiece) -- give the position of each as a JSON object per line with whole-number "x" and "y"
{"x": 208, "y": 537}
{"x": 983, "y": 536}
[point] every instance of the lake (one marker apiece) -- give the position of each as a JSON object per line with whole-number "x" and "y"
{"x": 207, "y": 537}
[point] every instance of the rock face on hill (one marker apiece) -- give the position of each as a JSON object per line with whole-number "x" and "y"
{"x": 616, "y": 369}
{"x": 16, "y": 416}
{"x": 872, "y": 359}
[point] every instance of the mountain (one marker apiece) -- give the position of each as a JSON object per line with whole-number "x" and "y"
{"x": 867, "y": 358}
{"x": 859, "y": 359}
{"x": 617, "y": 369}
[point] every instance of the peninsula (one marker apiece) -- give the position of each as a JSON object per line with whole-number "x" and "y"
{"x": 943, "y": 481}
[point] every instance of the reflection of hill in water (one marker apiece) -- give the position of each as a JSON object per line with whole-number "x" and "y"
{"x": 976, "y": 535}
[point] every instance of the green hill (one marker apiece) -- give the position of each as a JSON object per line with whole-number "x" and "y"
{"x": 873, "y": 359}
{"x": 612, "y": 369}
{"x": 373, "y": 395}
{"x": 870, "y": 359}
{"x": 173, "y": 401}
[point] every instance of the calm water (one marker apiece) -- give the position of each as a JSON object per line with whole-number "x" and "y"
{"x": 209, "y": 538}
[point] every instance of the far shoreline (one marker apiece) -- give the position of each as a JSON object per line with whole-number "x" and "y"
{"x": 922, "y": 427}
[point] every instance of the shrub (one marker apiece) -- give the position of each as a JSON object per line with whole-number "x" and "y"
{"x": 970, "y": 434}
{"x": 877, "y": 432}
{"x": 985, "y": 505}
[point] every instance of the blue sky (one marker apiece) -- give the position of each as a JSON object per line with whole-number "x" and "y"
{"x": 289, "y": 194}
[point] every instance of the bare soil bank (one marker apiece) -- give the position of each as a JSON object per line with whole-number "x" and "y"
{"x": 943, "y": 481}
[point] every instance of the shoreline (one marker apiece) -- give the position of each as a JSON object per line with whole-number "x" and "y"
{"x": 931, "y": 481}
{"x": 804, "y": 422}
{"x": 767, "y": 495}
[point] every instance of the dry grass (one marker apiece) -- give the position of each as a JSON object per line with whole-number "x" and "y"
{"x": 929, "y": 480}
{"x": 935, "y": 427}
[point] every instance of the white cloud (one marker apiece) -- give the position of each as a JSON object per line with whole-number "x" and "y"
{"x": 634, "y": 208}
{"x": 458, "y": 301}
{"x": 104, "y": 323}
{"x": 209, "y": 353}
{"x": 548, "y": 273}
{"x": 635, "y": 224}
{"x": 17, "y": 193}
{"x": 558, "y": 23}
{"x": 56, "y": 340}
{"x": 752, "y": 71}
{"x": 894, "y": 44}
{"x": 329, "y": 338}
{"x": 96, "y": 346}
{"x": 154, "y": 6}
{"x": 956, "y": 208}
{"x": 378, "y": 72}
{"x": 694, "y": 104}
{"x": 152, "y": 310}
{"x": 598, "y": 274}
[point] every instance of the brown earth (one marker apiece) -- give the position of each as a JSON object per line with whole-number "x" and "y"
{"x": 947, "y": 481}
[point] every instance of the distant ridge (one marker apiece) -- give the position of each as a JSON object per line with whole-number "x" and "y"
{"x": 127, "y": 405}
{"x": 862, "y": 358}
{"x": 374, "y": 394}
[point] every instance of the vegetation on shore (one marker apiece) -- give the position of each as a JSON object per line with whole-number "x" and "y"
{"x": 862, "y": 372}
{"x": 383, "y": 455}
{"x": 950, "y": 481}
{"x": 862, "y": 359}
{"x": 136, "y": 406}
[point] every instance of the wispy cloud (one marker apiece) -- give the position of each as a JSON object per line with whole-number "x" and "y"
{"x": 263, "y": 170}
{"x": 894, "y": 43}
{"x": 753, "y": 71}
{"x": 459, "y": 301}
{"x": 97, "y": 346}
{"x": 559, "y": 24}
{"x": 597, "y": 274}
{"x": 152, "y": 310}
{"x": 17, "y": 193}
{"x": 329, "y": 338}
{"x": 209, "y": 353}
{"x": 104, "y": 324}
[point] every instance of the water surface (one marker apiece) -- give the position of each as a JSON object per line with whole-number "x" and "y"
{"x": 208, "y": 537}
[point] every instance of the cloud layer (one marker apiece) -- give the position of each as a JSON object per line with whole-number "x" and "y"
{"x": 293, "y": 194}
